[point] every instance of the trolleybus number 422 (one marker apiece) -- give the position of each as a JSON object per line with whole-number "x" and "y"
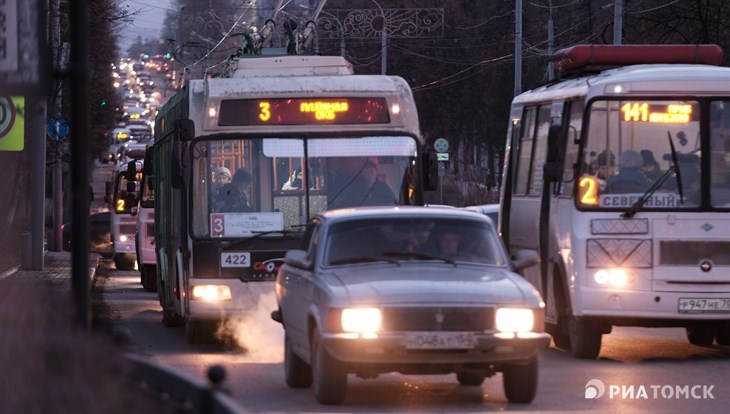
{"x": 704, "y": 305}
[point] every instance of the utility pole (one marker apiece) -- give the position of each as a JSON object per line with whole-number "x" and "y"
{"x": 550, "y": 45}
{"x": 518, "y": 47}
{"x": 57, "y": 178}
{"x": 618, "y": 25}
{"x": 80, "y": 159}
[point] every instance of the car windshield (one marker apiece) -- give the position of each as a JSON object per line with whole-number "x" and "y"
{"x": 628, "y": 149}
{"x": 245, "y": 186}
{"x": 413, "y": 239}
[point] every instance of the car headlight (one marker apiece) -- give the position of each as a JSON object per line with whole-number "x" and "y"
{"x": 361, "y": 320}
{"x": 211, "y": 293}
{"x": 514, "y": 320}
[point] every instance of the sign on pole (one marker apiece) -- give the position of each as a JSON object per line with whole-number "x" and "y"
{"x": 57, "y": 129}
{"x": 441, "y": 145}
{"x": 23, "y": 57}
{"x": 12, "y": 123}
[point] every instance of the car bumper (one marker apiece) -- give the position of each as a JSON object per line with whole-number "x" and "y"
{"x": 393, "y": 349}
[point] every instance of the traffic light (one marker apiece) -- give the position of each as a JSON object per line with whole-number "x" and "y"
{"x": 103, "y": 102}
{"x": 168, "y": 55}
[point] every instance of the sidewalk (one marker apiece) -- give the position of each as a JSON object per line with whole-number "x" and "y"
{"x": 49, "y": 363}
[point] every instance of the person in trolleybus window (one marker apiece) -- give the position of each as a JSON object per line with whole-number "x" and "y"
{"x": 233, "y": 197}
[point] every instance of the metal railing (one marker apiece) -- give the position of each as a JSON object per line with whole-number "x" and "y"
{"x": 195, "y": 395}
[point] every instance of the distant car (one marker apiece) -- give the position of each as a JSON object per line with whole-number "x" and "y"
{"x": 378, "y": 290}
{"x": 489, "y": 210}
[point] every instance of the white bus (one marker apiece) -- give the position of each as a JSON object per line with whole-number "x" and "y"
{"x": 145, "y": 237}
{"x": 296, "y": 135}
{"x": 122, "y": 194}
{"x": 620, "y": 180}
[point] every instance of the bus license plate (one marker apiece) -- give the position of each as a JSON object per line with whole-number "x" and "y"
{"x": 235, "y": 259}
{"x": 441, "y": 340}
{"x": 704, "y": 305}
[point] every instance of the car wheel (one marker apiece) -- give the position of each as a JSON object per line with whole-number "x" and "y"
{"x": 520, "y": 381}
{"x": 560, "y": 337}
{"x": 149, "y": 278}
{"x": 297, "y": 373}
{"x": 328, "y": 374}
{"x": 723, "y": 333}
{"x": 585, "y": 337}
{"x": 470, "y": 379}
{"x": 701, "y": 334}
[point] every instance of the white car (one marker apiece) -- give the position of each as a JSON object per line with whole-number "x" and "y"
{"x": 414, "y": 290}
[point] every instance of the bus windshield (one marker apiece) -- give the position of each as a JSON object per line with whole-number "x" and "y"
{"x": 627, "y": 149}
{"x": 242, "y": 187}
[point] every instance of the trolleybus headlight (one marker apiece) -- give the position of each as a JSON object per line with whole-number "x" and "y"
{"x": 211, "y": 293}
{"x": 614, "y": 277}
{"x": 361, "y": 320}
{"x": 514, "y": 320}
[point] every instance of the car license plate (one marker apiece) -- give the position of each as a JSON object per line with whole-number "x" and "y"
{"x": 441, "y": 340}
{"x": 235, "y": 259}
{"x": 704, "y": 305}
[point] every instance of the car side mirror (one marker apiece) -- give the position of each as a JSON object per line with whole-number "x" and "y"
{"x": 523, "y": 259}
{"x": 107, "y": 192}
{"x": 298, "y": 259}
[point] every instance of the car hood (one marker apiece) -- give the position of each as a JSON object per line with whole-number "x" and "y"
{"x": 364, "y": 285}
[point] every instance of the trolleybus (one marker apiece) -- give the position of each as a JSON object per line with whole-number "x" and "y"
{"x": 295, "y": 135}
{"x": 620, "y": 179}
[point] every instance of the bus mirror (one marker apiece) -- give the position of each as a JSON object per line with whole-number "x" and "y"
{"x": 553, "y": 168}
{"x": 429, "y": 170}
{"x": 131, "y": 170}
{"x": 176, "y": 169}
{"x": 131, "y": 186}
{"x": 186, "y": 129}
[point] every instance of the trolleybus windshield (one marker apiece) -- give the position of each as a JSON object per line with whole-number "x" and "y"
{"x": 276, "y": 184}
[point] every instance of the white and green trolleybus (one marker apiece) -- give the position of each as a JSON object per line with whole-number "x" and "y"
{"x": 307, "y": 130}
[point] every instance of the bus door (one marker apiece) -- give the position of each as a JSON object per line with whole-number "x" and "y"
{"x": 557, "y": 206}
{"x": 528, "y": 155}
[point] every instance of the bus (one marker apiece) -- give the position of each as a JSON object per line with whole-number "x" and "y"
{"x": 619, "y": 178}
{"x": 122, "y": 195}
{"x": 145, "y": 237}
{"x": 283, "y": 138}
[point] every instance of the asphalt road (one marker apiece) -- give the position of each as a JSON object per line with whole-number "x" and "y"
{"x": 642, "y": 370}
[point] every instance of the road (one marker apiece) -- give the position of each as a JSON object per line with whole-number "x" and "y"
{"x": 632, "y": 360}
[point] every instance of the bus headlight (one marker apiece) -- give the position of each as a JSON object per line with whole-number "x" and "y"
{"x": 514, "y": 320}
{"x": 211, "y": 293}
{"x": 123, "y": 238}
{"x": 361, "y": 320}
{"x": 614, "y": 277}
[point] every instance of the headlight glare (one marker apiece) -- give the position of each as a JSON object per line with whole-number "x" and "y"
{"x": 361, "y": 320}
{"x": 211, "y": 293}
{"x": 514, "y": 320}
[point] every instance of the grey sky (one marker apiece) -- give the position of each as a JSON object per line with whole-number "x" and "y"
{"x": 147, "y": 22}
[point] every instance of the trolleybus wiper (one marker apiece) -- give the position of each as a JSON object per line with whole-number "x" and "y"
{"x": 674, "y": 168}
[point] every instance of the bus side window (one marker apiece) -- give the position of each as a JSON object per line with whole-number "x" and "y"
{"x": 524, "y": 152}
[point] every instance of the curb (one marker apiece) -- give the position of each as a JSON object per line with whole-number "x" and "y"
{"x": 9, "y": 272}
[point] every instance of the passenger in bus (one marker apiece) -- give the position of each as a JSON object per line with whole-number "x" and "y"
{"x": 233, "y": 197}
{"x": 379, "y": 193}
{"x": 294, "y": 182}
{"x": 629, "y": 179}
{"x": 346, "y": 186}
{"x": 650, "y": 168}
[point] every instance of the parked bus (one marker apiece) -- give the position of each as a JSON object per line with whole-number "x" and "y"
{"x": 620, "y": 179}
{"x": 295, "y": 135}
{"x": 122, "y": 194}
{"x": 145, "y": 238}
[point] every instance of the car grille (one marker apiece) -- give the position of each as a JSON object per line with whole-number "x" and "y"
{"x": 438, "y": 319}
